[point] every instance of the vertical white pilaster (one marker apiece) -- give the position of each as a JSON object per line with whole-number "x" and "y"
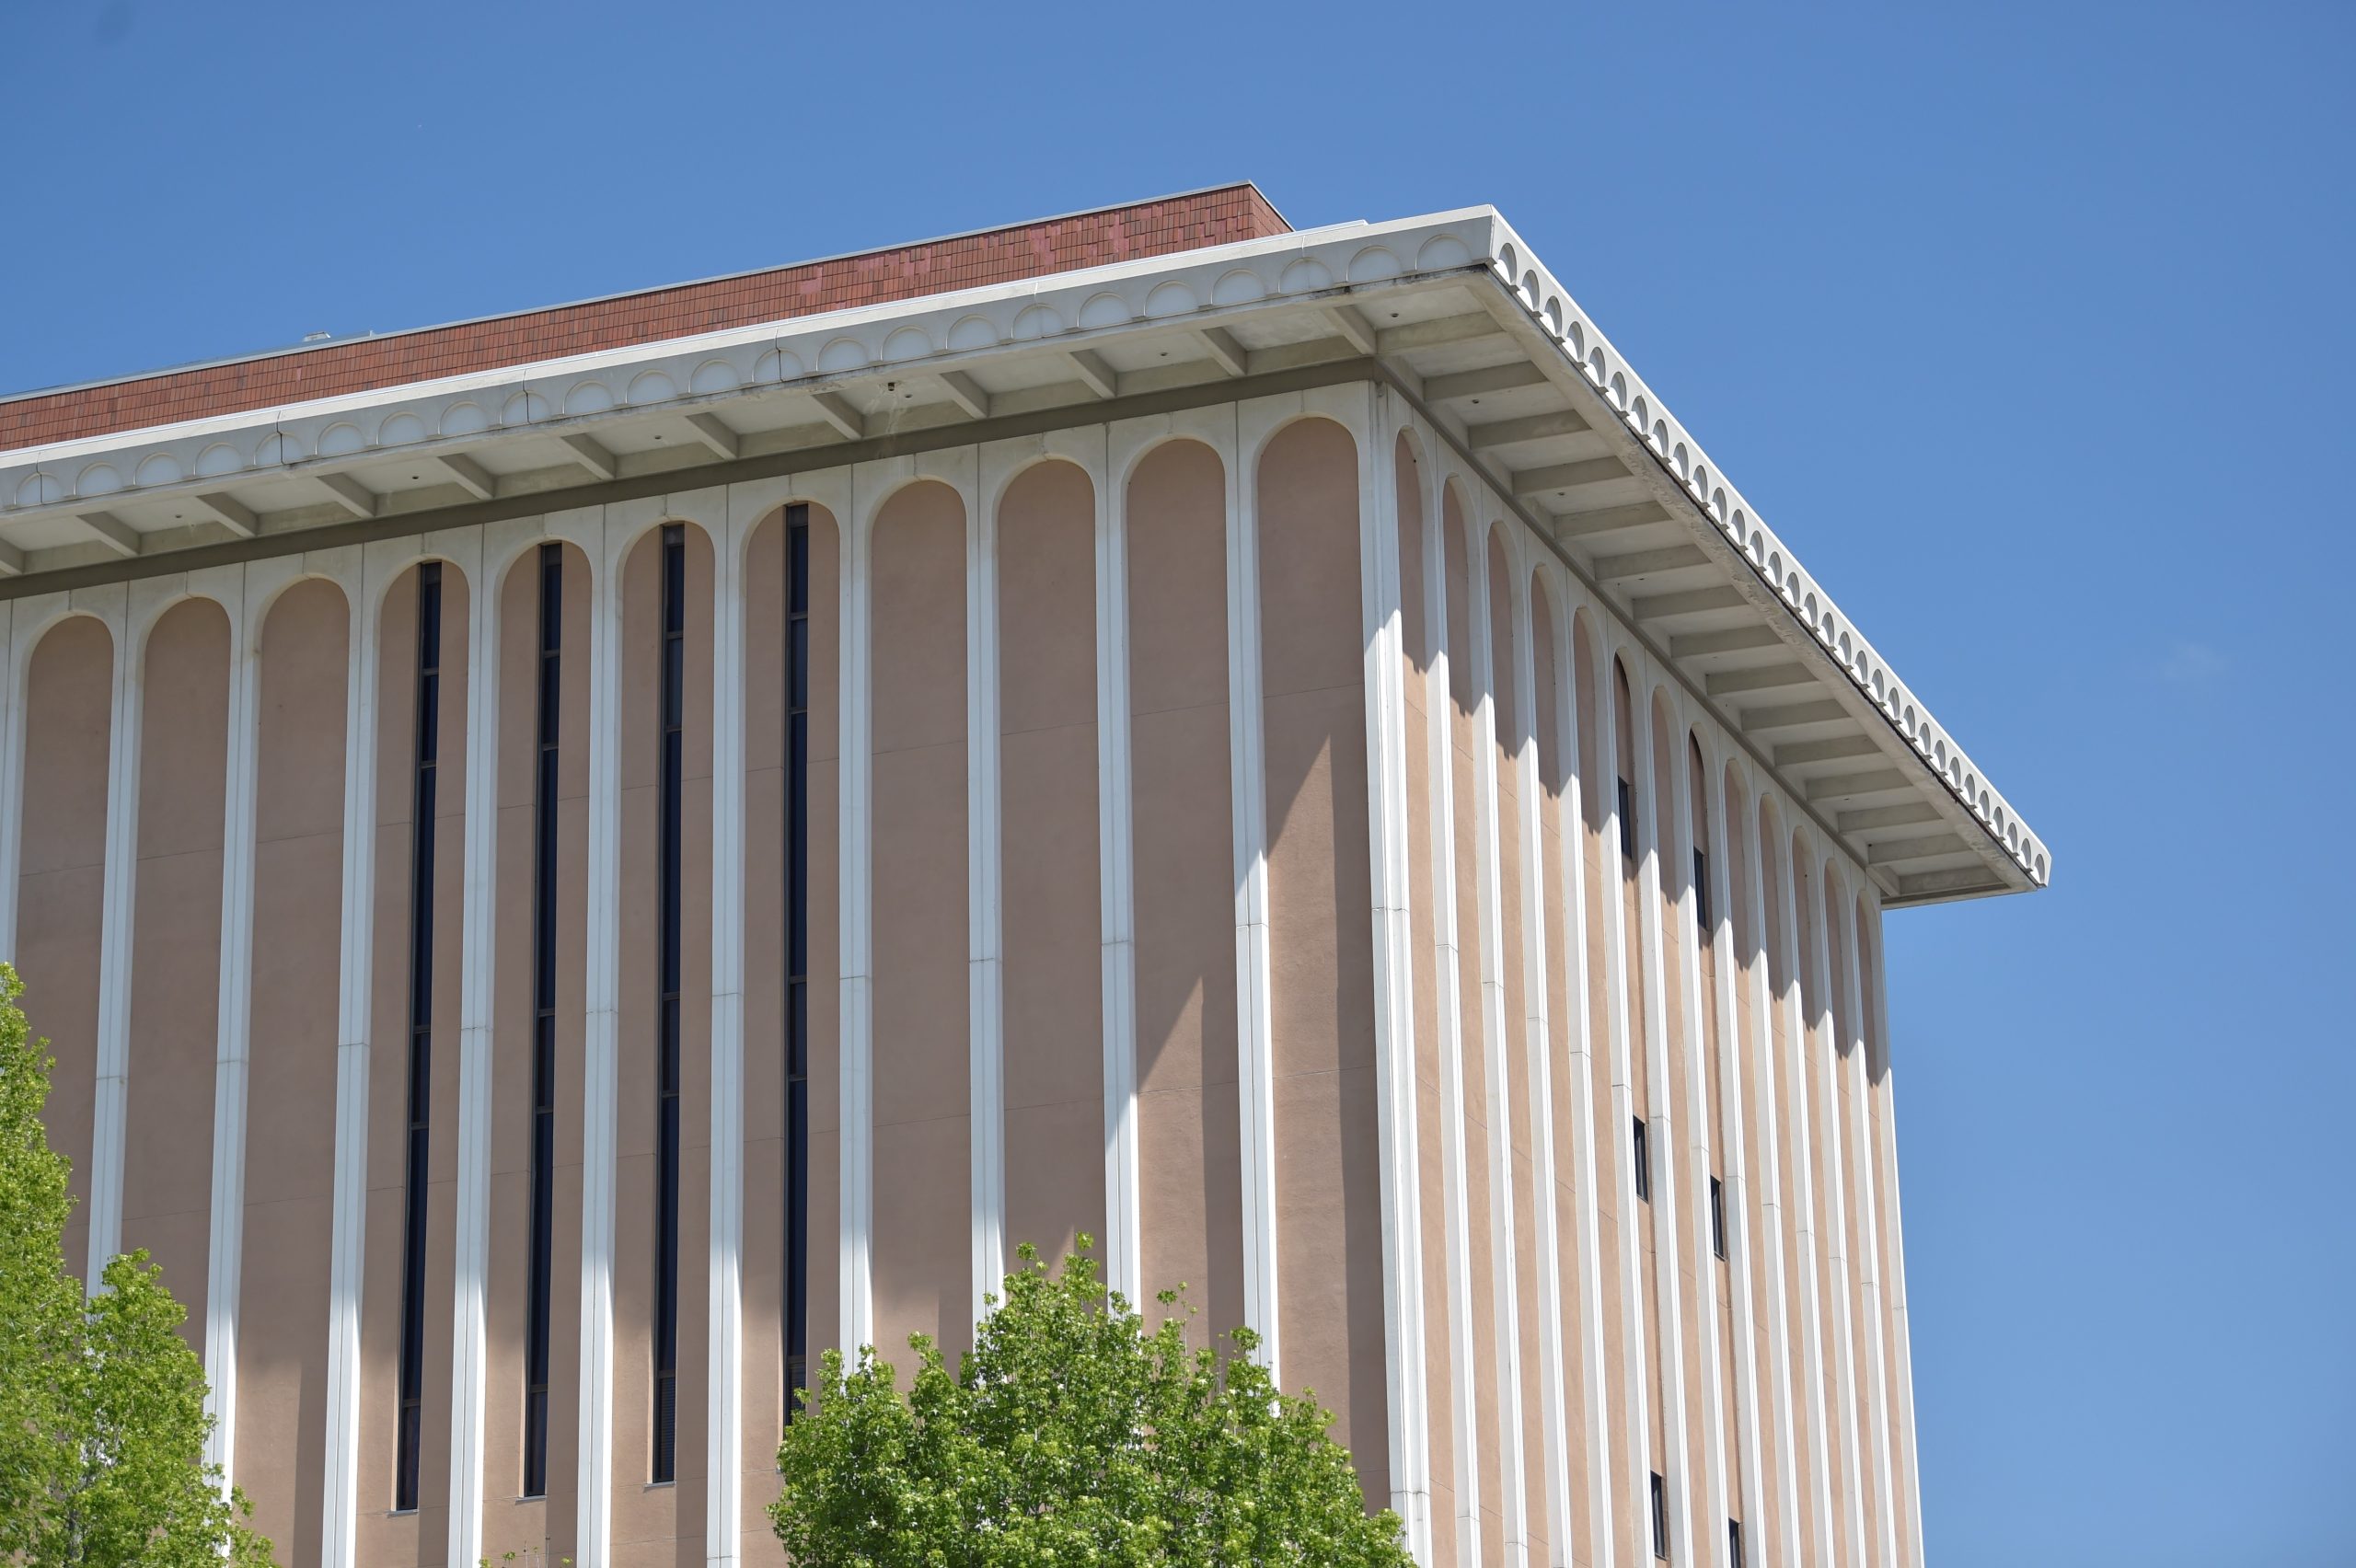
{"x": 1861, "y": 1155}
{"x": 1248, "y": 783}
{"x": 27, "y": 619}
{"x": 12, "y": 769}
{"x": 1726, "y": 1000}
{"x": 1580, "y": 1042}
{"x": 110, "y": 1110}
{"x": 1448, "y": 971}
{"x": 984, "y": 901}
{"x": 339, "y": 1521}
{"x": 725, "y": 1379}
{"x": 1116, "y": 886}
{"x": 244, "y": 598}
{"x": 1796, "y": 1027}
{"x": 1759, "y": 983}
{"x": 1909, "y": 1476}
{"x": 1394, "y": 1012}
{"x": 600, "y": 1039}
{"x": 857, "y": 1323}
{"x": 1513, "y": 1503}
{"x": 469, "y": 1333}
{"x": 1620, "y": 1016}
{"x": 1836, "y": 1225}
{"x": 1538, "y": 1058}
{"x": 1678, "y": 813}
{"x": 1651, "y": 807}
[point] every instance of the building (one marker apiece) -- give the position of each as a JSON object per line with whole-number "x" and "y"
{"x": 572, "y": 861}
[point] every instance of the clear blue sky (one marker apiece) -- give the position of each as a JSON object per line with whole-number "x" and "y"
{"x": 2028, "y": 325}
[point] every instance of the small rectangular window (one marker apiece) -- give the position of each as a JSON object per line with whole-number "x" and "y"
{"x": 1640, "y": 1152}
{"x": 1717, "y": 1218}
{"x": 1660, "y": 1518}
{"x": 1627, "y": 820}
{"x": 1733, "y": 1543}
{"x": 1702, "y": 891}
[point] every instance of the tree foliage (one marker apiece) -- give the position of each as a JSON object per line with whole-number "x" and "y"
{"x": 1071, "y": 1435}
{"x": 102, "y": 1418}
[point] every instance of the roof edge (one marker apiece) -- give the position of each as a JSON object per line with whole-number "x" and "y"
{"x": 345, "y": 341}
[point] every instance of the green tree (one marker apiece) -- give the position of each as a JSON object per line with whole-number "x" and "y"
{"x": 1071, "y": 1436}
{"x": 102, "y": 1419}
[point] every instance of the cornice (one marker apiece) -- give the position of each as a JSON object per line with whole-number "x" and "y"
{"x": 1066, "y": 316}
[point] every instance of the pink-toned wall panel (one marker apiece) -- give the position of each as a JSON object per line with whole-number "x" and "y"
{"x": 176, "y": 950}
{"x": 60, "y": 882}
{"x": 1054, "y": 1061}
{"x": 1329, "y": 1203}
{"x": 1191, "y": 1196}
{"x": 922, "y": 1255}
{"x": 290, "y": 1143}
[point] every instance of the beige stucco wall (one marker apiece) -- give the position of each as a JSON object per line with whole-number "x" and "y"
{"x": 1190, "y": 1193}
{"x": 1465, "y": 740}
{"x": 1570, "y": 710}
{"x": 1052, "y": 1005}
{"x": 290, "y": 1141}
{"x": 923, "y": 1256}
{"x": 60, "y": 883}
{"x": 512, "y": 1523}
{"x": 1329, "y": 1217}
{"x": 1443, "y": 1394}
{"x": 420, "y": 1536}
{"x": 762, "y": 1384}
{"x": 176, "y": 947}
{"x": 645, "y": 1513}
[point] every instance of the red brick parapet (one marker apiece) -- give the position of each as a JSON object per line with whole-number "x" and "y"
{"x": 1223, "y": 215}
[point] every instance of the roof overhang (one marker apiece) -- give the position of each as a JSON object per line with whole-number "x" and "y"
{"x": 1451, "y": 309}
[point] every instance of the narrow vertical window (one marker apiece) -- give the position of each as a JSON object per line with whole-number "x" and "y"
{"x": 1660, "y": 1518}
{"x": 1627, "y": 820}
{"x": 1733, "y": 1543}
{"x": 797, "y": 954}
{"x": 539, "y": 1259}
{"x": 1702, "y": 891}
{"x": 1641, "y": 1154}
{"x": 665, "y": 1464}
{"x": 420, "y": 1036}
{"x": 1718, "y": 1216}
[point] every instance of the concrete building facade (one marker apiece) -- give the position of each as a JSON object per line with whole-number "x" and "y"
{"x": 573, "y": 861}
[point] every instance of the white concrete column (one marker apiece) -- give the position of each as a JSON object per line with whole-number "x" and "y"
{"x": 244, "y": 598}
{"x": 1513, "y": 1503}
{"x": 1826, "y": 1069}
{"x": 469, "y": 1333}
{"x": 1662, "y": 1125}
{"x": 608, "y": 541}
{"x": 22, "y": 623}
{"x": 1538, "y": 1098}
{"x": 1394, "y": 1012}
{"x": 1697, "y": 1148}
{"x": 730, "y": 526}
{"x": 128, "y": 615}
{"x": 857, "y": 1322}
{"x": 1741, "y": 1265}
{"x": 1620, "y": 1017}
{"x": 1862, "y": 1157}
{"x": 1116, "y": 878}
{"x": 1446, "y": 969}
{"x": 1909, "y": 1477}
{"x": 1579, "y": 1066}
{"x": 985, "y": 897}
{"x": 1759, "y": 998}
{"x": 340, "y": 1507}
{"x": 12, "y": 764}
{"x": 1248, "y": 783}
